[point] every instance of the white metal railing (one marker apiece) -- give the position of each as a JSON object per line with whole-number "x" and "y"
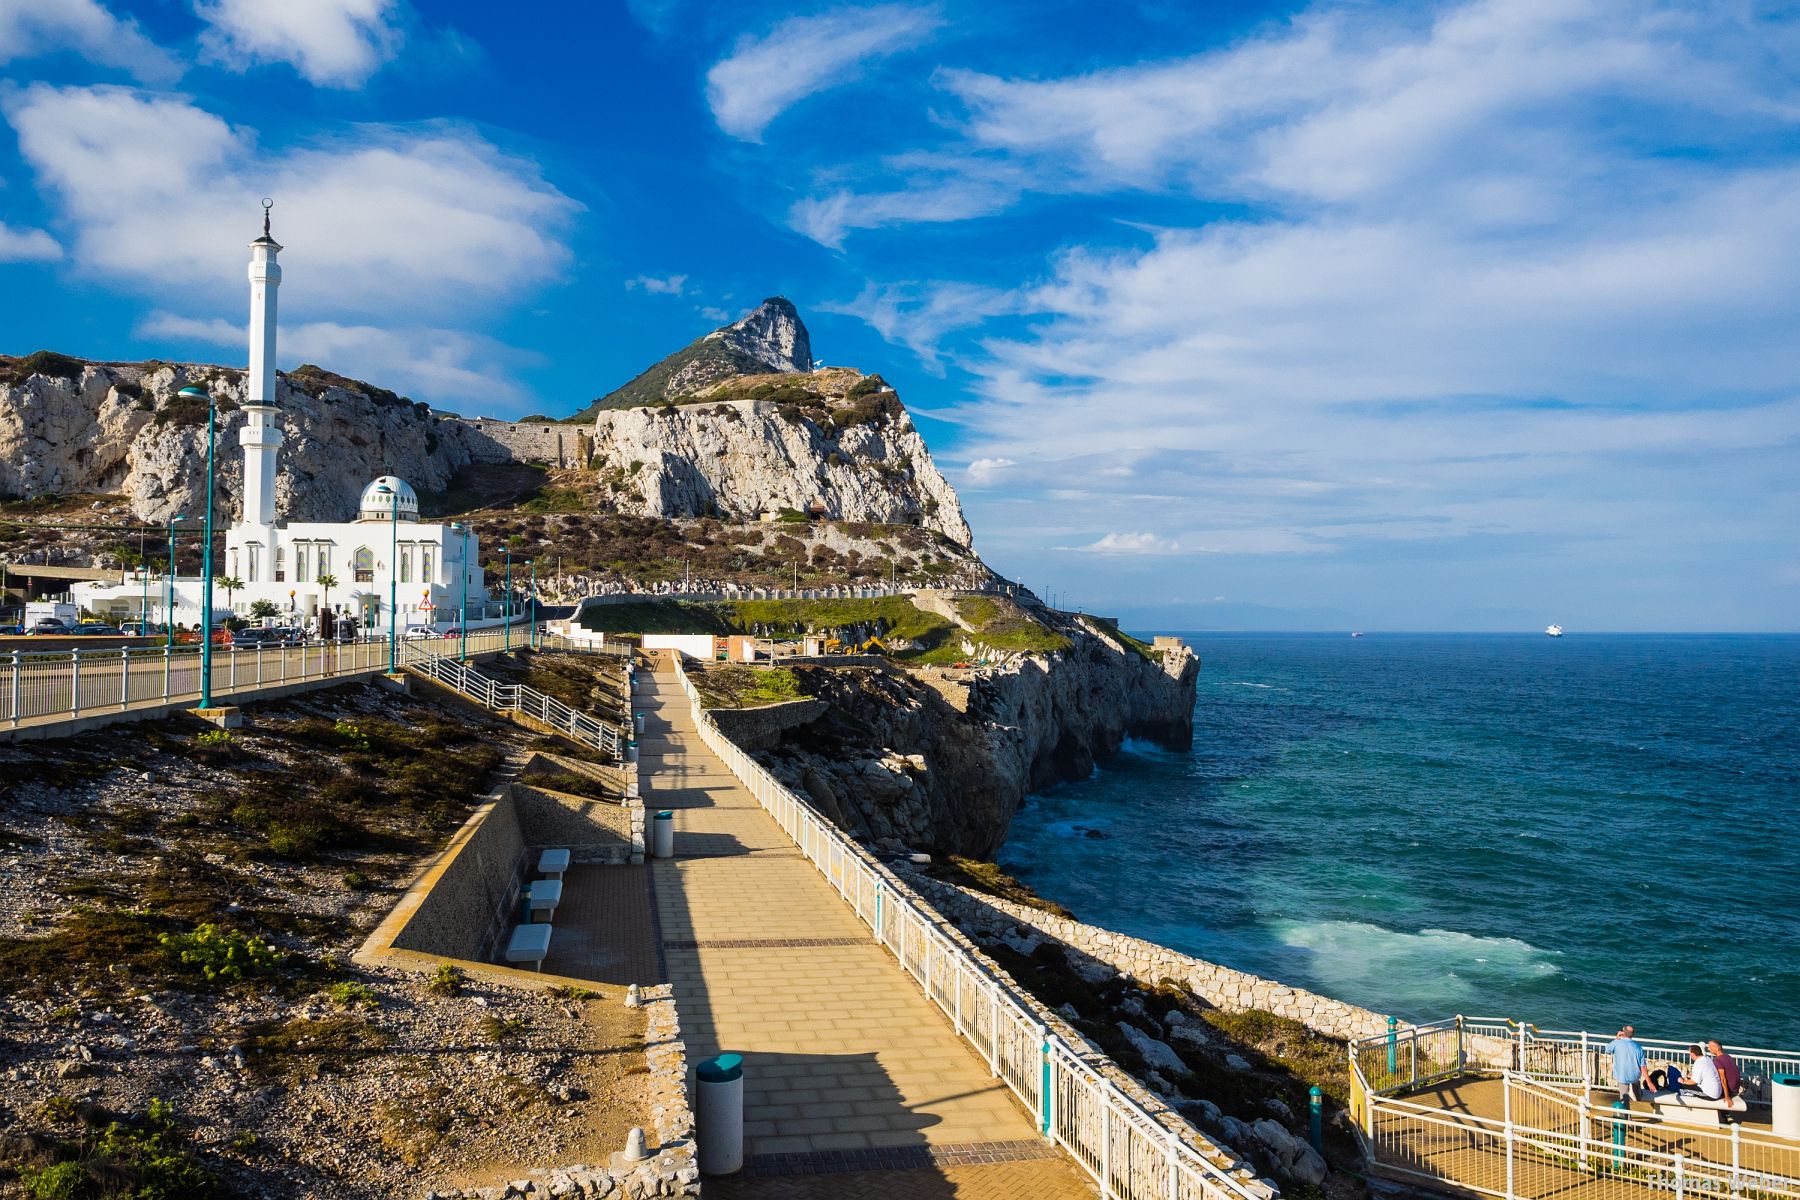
{"x": 1127, "y": 1151}
{"x": 1549, "y": 1136}
{"x": 515, "y": 697}
{"x": 557, "y": 641}
{"x": 50, "y": 686}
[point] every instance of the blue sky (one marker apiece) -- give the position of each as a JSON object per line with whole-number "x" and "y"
{"x": 1454, "y": 316}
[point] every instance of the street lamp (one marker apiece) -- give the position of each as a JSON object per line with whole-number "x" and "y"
{"x": 206, "y": 566}
{"x": 506, "y": 593}
{"x": 144, "y": 571}
{"x": 531, "y": 630}
{"x": 462, "y": 652}
{"x": 393, "y": 495}
{"x": 169, "y": 591}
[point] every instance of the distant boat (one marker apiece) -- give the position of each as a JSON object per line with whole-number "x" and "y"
{"x": 1358, "y": 633}
{"x": 1553, "y": 630}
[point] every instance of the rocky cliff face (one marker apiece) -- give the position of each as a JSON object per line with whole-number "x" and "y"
{"x": 929, "y": 761}
{"x": 769, "y": 338}
{"x": 120, "y": 428}
{"x": 763, "y": 443}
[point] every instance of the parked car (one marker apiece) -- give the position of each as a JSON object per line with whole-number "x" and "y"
{"x": 48, "y": 627}
{"x": 96, "y": 629}
{"x": 254, "y": 636}
{"x": 419, "y": 633}
{"x": 141, "y": 628}
{"x": 11, "y": 630}
{"x": 288, "y": 635}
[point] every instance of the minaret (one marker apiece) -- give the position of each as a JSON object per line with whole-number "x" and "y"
{"x": 261, "y": 435}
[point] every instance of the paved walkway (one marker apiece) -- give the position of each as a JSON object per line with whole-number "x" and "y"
{"x": 851, "y": 1074}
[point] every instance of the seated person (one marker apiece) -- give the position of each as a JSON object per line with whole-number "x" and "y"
{"x": 1663, "y": 1082}
{"x": 1729, "y": 1071}
{"x": 1702, "y": 1082}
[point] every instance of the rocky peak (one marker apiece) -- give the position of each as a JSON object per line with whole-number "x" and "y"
{"x": 772, "y": 334}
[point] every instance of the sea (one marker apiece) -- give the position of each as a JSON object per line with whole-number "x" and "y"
{"x": 1575, "y": 832}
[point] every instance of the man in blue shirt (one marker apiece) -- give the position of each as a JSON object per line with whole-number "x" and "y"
{"x": 1630, "y": 1068}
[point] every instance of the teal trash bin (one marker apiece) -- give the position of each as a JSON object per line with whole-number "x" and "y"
{"x": 719, "y": 1114}
{"x": 1784, "y": 1105}
{"x": 662, "y": 835}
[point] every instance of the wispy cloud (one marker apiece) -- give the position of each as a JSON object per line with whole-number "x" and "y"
{"x": 27, "y": 245}
{"x": 764, "y": 76}
{"x": 29, "y": 28}
{"x": 670, "y": 285}
{"x": 1130, "y": 543}
{"x": 331, "y": 43}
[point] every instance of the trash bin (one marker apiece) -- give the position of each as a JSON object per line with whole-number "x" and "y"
{"x": 631, "y": 750}
{"x": 662, "y": 835}
{"x": 1784, "y": 1102}
{"x": 719, "y": 1114}
{"x": 637, "y": 722}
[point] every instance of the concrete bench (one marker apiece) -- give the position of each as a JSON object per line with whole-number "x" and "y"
{"x": 1695, "y": 1110}
{"x": 542, "y": 897}
{"x": 529, "y": 944}
{"x": 553, "y": 863}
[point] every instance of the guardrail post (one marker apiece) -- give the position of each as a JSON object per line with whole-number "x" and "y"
{"x": 1412, "y": 1047}
{"x": 1680, "y": 1176}
{"x": 994, "y": 1028}
{"x": 1506, "y": 1110}
{"x": 124, "y": 677}
{"x": 74, "y": 681}
{"x": 1587, "y": 1068}
{"x": 18, "y": 686}
{"x": 1106, "y": 1188}
{"x": 165, "y": 672}
{"x": 1736, "y": 1159}
{"x": 1043, "y": 1036}
{"x": 880, "y": 934}
{"x": 1169, "y": 1144}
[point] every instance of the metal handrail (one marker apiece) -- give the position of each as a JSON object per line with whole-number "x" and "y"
{"x": 515, "y": 697}
{"x": 1130, "y": 1154}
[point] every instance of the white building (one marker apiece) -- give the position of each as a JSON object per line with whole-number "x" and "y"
{"x": 429, "y": 571}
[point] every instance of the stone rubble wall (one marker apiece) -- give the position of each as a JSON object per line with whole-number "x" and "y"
{"x": 1148, "y": 963}
{"x": 557, "y": 445}
{"x": 761, "y": 728}
{"x": 470, "y": 907}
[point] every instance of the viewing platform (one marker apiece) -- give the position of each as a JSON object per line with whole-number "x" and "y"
{"x": 1496, "y": 1108}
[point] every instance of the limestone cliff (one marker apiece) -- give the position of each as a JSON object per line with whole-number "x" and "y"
{"x": 761, "y": 443}
{"x": 771, "y": 337}
{"x": 68, "y": 426}
{"x": 941, "y": 761}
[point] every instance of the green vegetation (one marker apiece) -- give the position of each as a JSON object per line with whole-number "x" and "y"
{"x": 556, "y": 500}
{"x": 705, "y": 361}
{"x": 735, "y": 686}
{"x": 1003, "y": 625}
{"x": 141, "y": 1157}
{"x": 350, "y": 994}
{"x": 47, "y": 363}
{"x": 314, "y": 380}
{"x": 570, "y": 784}
{"x": 307, "y": 1049}
{"x": 502, "y": 1029}
{"x": 447, "y": 980}
{"x": 223, "y": 954}
{"x": 988, "y": 879}
{"x": 1137, "y": 646}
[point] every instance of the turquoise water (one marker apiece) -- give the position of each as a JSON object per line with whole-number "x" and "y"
{"x": 1575, "y": 832}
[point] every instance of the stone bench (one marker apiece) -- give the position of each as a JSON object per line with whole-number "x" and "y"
{"x": 1695, "y": 1110}
{"x": 553, "y": 863}
{"x": 529, "y": 944}
{"x": 542, "y": 897}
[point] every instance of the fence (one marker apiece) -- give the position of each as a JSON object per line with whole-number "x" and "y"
{"x": 74, "y": 683}
{"x": 1120, "y": 1144}
{"x": 515, "y": 697}
{"x": 1549, "y": 1137}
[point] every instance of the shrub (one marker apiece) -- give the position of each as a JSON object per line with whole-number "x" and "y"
{"x": 447, "y": 980}
{"x": 213, "y": 738}
{"x": 356, "y": 881}
{"x": 351, "y": 735}
{"x": 350, "y": 994}
{"x": 222, "y": 953}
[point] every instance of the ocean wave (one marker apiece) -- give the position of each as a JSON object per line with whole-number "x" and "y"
{"x": 1429, "y": 972}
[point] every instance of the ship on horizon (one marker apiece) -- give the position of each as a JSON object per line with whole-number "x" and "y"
{"x": 1553, "y": 630}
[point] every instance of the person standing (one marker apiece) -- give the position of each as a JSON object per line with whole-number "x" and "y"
{"x": 1630, "y": 1066}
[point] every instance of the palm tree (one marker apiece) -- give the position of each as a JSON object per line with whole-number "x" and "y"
{"x": 231, "y": 584}
{"x": 327, "y": 581}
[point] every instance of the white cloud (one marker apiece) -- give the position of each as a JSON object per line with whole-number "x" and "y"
{"x": 715, "y": 314}
{"x": 423, "y": 220}
{"x": 763, "y": 77}
{"x": 669, "y": 286}
{"x": 27, "y": 245}
{"x": 918, "y": 316}
{"x": 332, "y": 43}
{"x": 830, "y": 218}
{"x": 440, "y": 366}
{"x": 986, "y": 470}
{"x": 29, "y": 28}
{"x": 1131, "y": 543}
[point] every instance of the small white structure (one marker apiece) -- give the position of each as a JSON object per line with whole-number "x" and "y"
{"x": 385, "y": 551}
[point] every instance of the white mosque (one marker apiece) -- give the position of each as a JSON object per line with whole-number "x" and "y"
{"x": 386, "y": 548}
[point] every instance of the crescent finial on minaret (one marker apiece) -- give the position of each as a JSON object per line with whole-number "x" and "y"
{"x": 267, "y": 205}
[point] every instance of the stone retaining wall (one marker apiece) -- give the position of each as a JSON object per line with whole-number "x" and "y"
{"x": 761, "y": 728}
{"x": 474, "y": 900}
{"x": 1149, "y": 963}
{"x": 595, "y": 832}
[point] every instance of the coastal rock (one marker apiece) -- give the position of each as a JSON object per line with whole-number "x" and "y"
{"x": 1296, "y": 1159}
{"x": 1157, "y": 1055}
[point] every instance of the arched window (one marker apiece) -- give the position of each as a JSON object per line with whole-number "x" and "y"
{"x": 406, "y": 553}
{"x": 254, "y": 553}
{"x": 362, "y": 563}
{"x": 425, "y": 565}
{"x": 281, "y": 564}
{"x": 232, "y": 569}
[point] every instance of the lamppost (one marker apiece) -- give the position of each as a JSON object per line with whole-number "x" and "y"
{"x": 507, "y": 593}
{"x": 206, "y": 568}
{"x": 169, "y": 591}
{"x": 143, "y": 570}
{"x": 393, "y": 495}
{"x": 531, "y": 630}
{"x": 462, "y": 652}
